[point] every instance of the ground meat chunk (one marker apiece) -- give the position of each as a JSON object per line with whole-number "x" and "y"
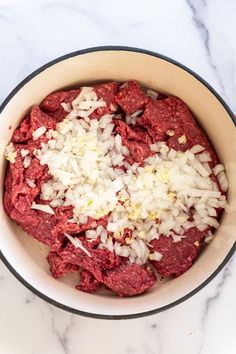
{"x": 193, "y": 234}
{"x": 87, "y": 282}
{"x": 159, "y": 117}
{"x": 39, "y": 225}
{"x": 129, "y": 279}
{"x": 138, "y": 151}
{"x": 98, "y": 261}
{"x": 73, "y": 229}
{"x": 36, "y": 171}
{"x": 38, "y": 119}
{"x": 52, "y": 103}
{"x": 23, "y": 133}
{"x": 107, "y": 93}
{"x": 137, "y": 142}
{"x": 177, "y": 257}
{"x": 132, "y": 134}
{"x": 20, "y": 194}
{"x": 59, "y": 268}
{"x": 130, "y": 97}
{"x": 171, "y": 113}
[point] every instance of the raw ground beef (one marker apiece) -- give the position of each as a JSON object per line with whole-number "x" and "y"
{"x": 129, "y": 279}
{"x": 130, "y": 97}
{"x": 103, "y": 267}
{"x": 177, "y": 256}
{"x": 88, "y": 282}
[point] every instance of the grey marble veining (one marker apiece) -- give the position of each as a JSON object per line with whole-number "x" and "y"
{"x": 201, "y": 35}
{"x": 199, "y": 10}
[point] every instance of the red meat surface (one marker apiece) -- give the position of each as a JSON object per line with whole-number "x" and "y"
{"x": 59, "y": 268}
{"x": 98, "y": 261}
{"x": 88, "y": 282}
{"x": 172, "y": 114}
{"x": 130, "y": 97}
{"x": 52, "y": 103}
{"x": 129, "y": 279}
{"x": 177, "y": 257}
{"x": 136, "y": 141}
{"x": 107, "y": 93}
{"x": 23, "y": 133}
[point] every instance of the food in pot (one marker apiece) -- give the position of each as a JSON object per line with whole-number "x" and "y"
{"x": 120, "y": 182}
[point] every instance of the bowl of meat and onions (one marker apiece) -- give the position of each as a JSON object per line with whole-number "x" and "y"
{"x": 118, "y": 193}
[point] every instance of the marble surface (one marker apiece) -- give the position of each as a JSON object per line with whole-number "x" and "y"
{"x": 198, "y": 33}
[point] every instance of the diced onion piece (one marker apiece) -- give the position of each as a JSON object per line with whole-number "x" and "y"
{"x": 152, "y": 94}
{"x": 10, "y": 153}
{"x": 42, "y": 207}
{"x": 155, "y": 256}
{"x": 27, "y": 161}
{"x": 187, "y": 225}
{"x": 24, "y": 152}
{"x": 182, "y": 139}
{"x": 135, "y": 114}
{"x": 196, "y": 149}
{"x": 211, "y": 211}
{"x": 221, "y": 176}
{"x": 170, "y": 132}
{"x": 218, "y": 168}
{"x": 39, "y": 132}
{"x": 154, "y": 147}
{"x": 124, "y": 252}
{"x": 202, "y": 227}
{"x": 30, "y": 182}
{"x": 77, "y": 243}
{"x": 204, "y": 157}
{"x": 66, "y": 106}
{"x": 207, "y": 167}
{"x": 136, "y": 247}
{"x": 56, "y": 203}
{"x": 201, "y": 169}
{"x": 211, "y": 222}
{"x": 209, "y": 237}
{"x": 117, "y": 184}
{"x": 112, "y": 227}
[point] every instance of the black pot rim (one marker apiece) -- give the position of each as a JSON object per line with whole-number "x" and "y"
{"x": 191, "y": 293}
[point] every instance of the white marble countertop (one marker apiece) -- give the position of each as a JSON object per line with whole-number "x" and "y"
{"x": 201, "y": 35}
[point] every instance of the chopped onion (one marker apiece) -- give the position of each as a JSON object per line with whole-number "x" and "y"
{"x": 152, "y": 94}
{"x": 24, "y": 152}
{"x": 42, "y": 207}
{"x": 201, "y": 227}
{"x": 66, "y": 106}
{"x": 209, "y": 237}
{"x": 112, "y": 227}
{"x": 155, "y": 256}
{"x": 77, "y": 243}
{"x": 218, "y": 168}
{"x": 196, "y": 149}
{"x": 27, "y": 161}
{"x": 200, "y": 168}
{"x": 211, "y": 222}
{"x": 221, "y": 176}
{"x": 30, "y": 182}
{"x": 204, "y": 157}
{"x": 135, "y": 114}
{"x": 39, "y": 132}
